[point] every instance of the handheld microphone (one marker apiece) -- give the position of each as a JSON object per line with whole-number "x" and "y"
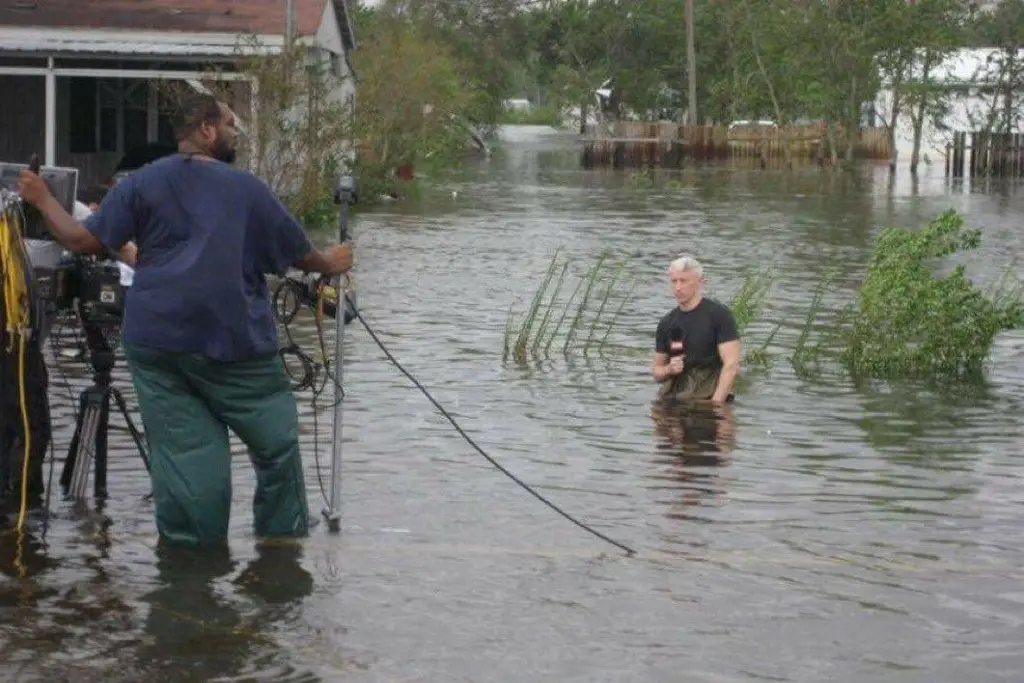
{"x": 676, "y": 345}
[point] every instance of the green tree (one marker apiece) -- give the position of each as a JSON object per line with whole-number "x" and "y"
{"x": 409, "y": 100}
{"x": 483, "y": 38}
{"x": 937, "y": 30}
{"x": 1003, "y": 74}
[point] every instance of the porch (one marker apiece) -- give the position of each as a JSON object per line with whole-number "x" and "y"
{"x": 87, "y": 111}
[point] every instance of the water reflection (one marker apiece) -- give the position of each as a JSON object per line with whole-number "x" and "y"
{"x": 198, "y": 622}
{"x": 917, "y": 419}
{"x": 694, "y": 430}
{"x": 692, "y": 442}
{"x": 59, "y": 607}
{"x": 22, "y": 556}
{"x": 195, "y": 632}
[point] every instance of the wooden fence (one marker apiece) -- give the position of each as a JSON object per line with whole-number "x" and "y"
{"x": 999, "y": 155}
{"x": 638, "y": 144}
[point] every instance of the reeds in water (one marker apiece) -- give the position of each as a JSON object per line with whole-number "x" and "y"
{"x": 581, "y": 324}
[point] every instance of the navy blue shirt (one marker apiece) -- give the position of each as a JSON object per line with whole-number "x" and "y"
{"x": 207, "y": 233}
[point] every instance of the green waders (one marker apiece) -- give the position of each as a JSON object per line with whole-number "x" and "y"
{"x": 695, "y": 384}
{"x": 188, "y": 402}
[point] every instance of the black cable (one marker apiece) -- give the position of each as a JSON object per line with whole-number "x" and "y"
{"x": 54, "y": 333}
{"x": 49, "y": 478}
{"x": 472, "y": 443}
{"x": 60, "y": 324}
{"x": 286, "y": 309}
{"x": 62, "y": 320}
{"x": 302, "y": 295}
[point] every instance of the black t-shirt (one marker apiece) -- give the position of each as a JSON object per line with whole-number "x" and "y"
{"x": 702, "y": 330}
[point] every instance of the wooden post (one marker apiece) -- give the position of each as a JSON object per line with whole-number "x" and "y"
{"x": 963, "y": 154}
{"x": 1016, "y": 156}
{"x": 973, "y": 165}
{"x": 1011, "y": 156}
{"x": 956, "y": 154}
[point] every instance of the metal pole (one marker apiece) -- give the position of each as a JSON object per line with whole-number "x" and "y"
{"x": 51, "y": 114}
{"x": 344, "y": 196}
{"x": 289, "y": 23}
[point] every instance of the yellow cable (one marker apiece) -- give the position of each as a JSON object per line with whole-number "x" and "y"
{"x": 28, "y": 439}
{"x": 16, "y": 305}
{"x": 16, "y": 302}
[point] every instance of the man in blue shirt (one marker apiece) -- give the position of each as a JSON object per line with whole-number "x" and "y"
{"x": 199, "y": 331}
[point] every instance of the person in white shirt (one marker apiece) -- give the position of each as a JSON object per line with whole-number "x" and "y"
{"x": 88, "y": 201}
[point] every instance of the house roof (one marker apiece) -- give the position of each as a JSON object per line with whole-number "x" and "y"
{"x": 261, "y": 17}
{"x": 103, "y": 42}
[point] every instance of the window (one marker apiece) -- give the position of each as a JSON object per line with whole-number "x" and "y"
{"x": 135, "y": 98}
{"x": 165, "y": 118}
{"x": 110, "y": 105}
{"x": 83, "y": 129}
{"x": 113, "y": 115}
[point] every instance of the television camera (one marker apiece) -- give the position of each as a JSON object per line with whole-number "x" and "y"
{"x": 62, "y": 279}
{"x": 87, "y": 286}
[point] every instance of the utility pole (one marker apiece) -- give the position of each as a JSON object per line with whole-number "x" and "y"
{"x": 289, "y": 22}
{"x": 691, "y": 65}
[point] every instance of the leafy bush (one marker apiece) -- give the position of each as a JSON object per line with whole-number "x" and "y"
{"x": 910, "y": 322}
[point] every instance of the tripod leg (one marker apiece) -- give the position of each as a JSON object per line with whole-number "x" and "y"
{"x": 132, "y": 429}
{"x": 100, "y": 454}
{"x": 69, "y": 462}
{"x": 79, "y": 480}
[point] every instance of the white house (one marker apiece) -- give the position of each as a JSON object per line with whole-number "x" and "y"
{"x": 78, "y": 80}
{"x": 965, "y": 73}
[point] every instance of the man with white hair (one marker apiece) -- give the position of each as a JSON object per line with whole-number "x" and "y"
{"x": 697, "y": 345}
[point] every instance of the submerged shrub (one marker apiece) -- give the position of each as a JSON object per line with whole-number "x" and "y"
{"x": 910, "y": 322}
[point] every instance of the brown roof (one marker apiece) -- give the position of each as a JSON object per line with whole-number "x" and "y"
{"x": 193, "y": 16}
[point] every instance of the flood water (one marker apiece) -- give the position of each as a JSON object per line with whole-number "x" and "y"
{"x": 819, "y": 529}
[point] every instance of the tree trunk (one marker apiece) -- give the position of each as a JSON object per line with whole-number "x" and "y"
{"x": 779, "y": 120}
{"x": 918, "y": 121}
{"x": 830, "y": 138}
{"x": 691, "y": 64}
{"x": 918, "y": 115}
{"x": 894, "y": 116}
{"x": 1008, "y": 94}
{"x": 853, "y": 124}
{"x": 734, "y": 65}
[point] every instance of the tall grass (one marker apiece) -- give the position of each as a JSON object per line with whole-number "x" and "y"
{"x": 580, "y": 324}
{"x": 748, "y": 302}
{"x": 806, "y": 355}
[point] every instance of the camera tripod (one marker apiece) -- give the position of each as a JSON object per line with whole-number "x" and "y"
{"x": 89, "y": 443}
